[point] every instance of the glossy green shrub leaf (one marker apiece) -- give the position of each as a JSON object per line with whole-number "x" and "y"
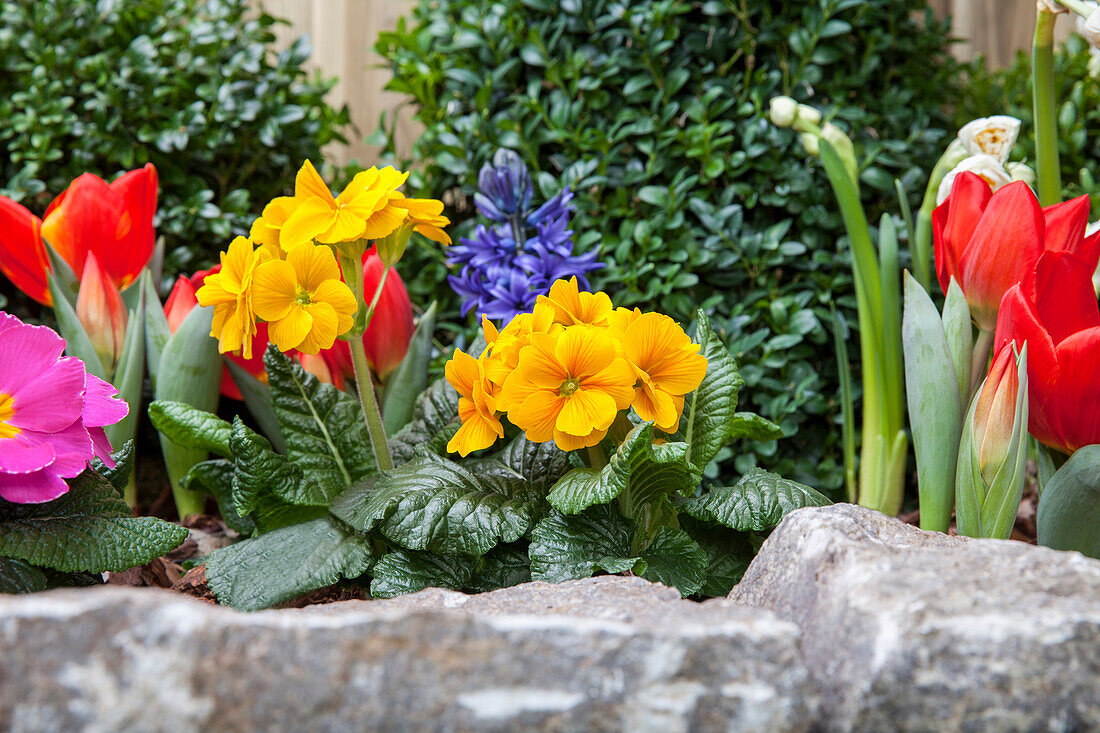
{"x": 191, "y": 427}
{"x": 755, "y": 503}
{"x": 280, "y": 565}
{"x": 406, "y": 571}
{"x": 323, "y": 426}
{"x": 88, "y": 529}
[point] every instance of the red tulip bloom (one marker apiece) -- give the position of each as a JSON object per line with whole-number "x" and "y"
{"x": 114, "y": 221}
{"x": 1055, "y": 312}
{"x": 387, "y": 338}
{"x": 989, "y": 242}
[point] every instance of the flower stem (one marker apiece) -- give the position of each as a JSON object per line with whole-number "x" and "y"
{"x": 377, "y": 296}
{"x": 1046, "y": 128}
{"x": 373, "y": 416}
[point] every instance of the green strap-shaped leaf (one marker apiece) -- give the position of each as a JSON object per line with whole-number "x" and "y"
{"x": 157, "y": 332}
{"x": 88, "y": 529}
{"x": 755, "y": 503}
{"x": 17, "y": 576}
{"x": 436, "y": 504}
{"x": 644, "y": 471}
{"x": 436, "y": 407}
{"x": 191, "y": 427}
{"x": 710, "y": 412}
{"x": 404, "y": 571}
{"x": 129, "y": 374}
{"x": 72, "y": 330}
{"x": 274, "y": 567}
{"x": 326, "y": 435}
{"x": 410, "y": 378}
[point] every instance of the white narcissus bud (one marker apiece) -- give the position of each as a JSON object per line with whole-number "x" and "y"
{"x": 809, "y": 114}
{"x": 1050, "y": 6}
{"x": 986, "y": 166}
{"x": 1021, "y": 172}
{"x": 783, "y": 111}
{"x": 809, "y": 141}
{"x": 1090, "y": 28}
{"x": 993, "y": 136}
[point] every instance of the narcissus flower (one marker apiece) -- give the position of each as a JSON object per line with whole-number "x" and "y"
{"x": 52, "y": 414}
{"x": 230, "y": 292}
{"x": 115, "y": 221}
{"x": 476, "y": 405}
{"x": 568, "y": 387}
{"x": 303, "y": 299}
{"x": 668, "y": 366}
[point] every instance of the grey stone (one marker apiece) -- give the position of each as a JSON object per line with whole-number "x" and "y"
{"x": 609, "y": 653}
{"x": 912, "y": 630}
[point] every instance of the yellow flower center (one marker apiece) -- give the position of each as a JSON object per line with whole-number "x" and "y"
{"x": 7, "y": 411}
{"x": 569, "y": 386}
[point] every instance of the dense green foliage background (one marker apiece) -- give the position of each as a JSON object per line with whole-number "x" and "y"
{"x": 191, "y": 85}
{"x": 654, "y": 111}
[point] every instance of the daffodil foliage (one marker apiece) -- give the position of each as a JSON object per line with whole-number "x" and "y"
{"x": 522, "y": 508}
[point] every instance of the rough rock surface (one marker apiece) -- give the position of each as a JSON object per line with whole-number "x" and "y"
{"x": 609, "y": 653}
{"x": 911, "y": 630}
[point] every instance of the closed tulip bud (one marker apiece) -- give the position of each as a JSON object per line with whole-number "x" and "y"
{"x": 101, "y": 312}
{"x": 783, "y": 111}
{"x": 993, "y": 453}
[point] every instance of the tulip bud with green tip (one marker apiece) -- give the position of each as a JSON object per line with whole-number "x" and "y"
{"x": 993, "y": 452}
{"x": 102, "y": 313}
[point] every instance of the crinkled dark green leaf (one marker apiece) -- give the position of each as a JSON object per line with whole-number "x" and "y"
{"x": 18, "y": 576}
{"x": 675, "y": 560}
{"x": 216, "y": 478}
{"x": 88, "y": 529}
{"x": 260, "y": 468}
{"x": 728, "y": 554}
{"x": 325, "y": 433}
{"x": 436, "y": 407}
{"x": 644, "y": 471}
{"x": 406, "y": 571}
{"x": 571, "y": 547}
{"x": 436, "y": 504}
{"x": 124, "y": 466}
{"x": 755, "y": 503}
{"x": 542, "y": 464}
{"x": 191, "y": 427}
{"x": 277, "y": 566}
{"x": 501, "y": 567}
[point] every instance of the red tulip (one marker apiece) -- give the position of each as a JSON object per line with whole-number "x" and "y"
{"x": 115, "y": 221}
{"x": 387, "y": 338}
{"x": 989, "y": 242}
{"x": 1055, "y": 312}
{"x": 101, "y": 312}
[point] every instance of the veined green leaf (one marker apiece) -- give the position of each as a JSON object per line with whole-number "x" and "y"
{"x": 18, "y": 576}
{"x": 501, "y": 567}
{"x": 274, "y": 567}
{"x": 436, "y": 407}
{"x": 405, "y": 571}
{"x": 260, "y": 470}
{"x": 728, "y": 554}
{"x": 675, "y": 560}
{"x": 191, "y": 427}
{"x": 572, "y": 547}
{"x": 257, "y": 397}
{"x": 755, "y": 503}
{"x": 124, "y": 466}
{"x": 216, "y": 478}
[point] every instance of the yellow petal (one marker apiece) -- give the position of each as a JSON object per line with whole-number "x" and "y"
{"x": 312, "y": 266}
{"x": 541, "y": 367}
{"x": 537, "y": 415}
{"x": 617, "y": 380}
{"x": 568, "y": 442}
{"x": 586, "y": 410}
{"x": 212, "y": 292}
{"x": 461, "y": 372}
{"x": 274, "y": 290}
{"x": 584, "y": 351}
{"x": 338, "y": 295}
{"x": 345, "y": 227}
{"x": 383, "y": 222}
{"x": 433, "y": 233}
{"x": 311, "y": 218}
{"x": 288, "y": 332}
{"x": 475, "y": 434}
{"x": 309, "y": 184}
{"x": 322, "y": 332}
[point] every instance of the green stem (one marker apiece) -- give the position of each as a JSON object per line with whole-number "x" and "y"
{"x": 377, "y": 296}
{"x": 1046, "y": 126}
{"x": 373, "y": 416}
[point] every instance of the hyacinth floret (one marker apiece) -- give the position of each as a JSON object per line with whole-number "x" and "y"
{"x": 509, "y": 262}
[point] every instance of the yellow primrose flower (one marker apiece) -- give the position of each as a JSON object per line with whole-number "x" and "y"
{"x": 359, "y": 212}
{"x": 568, "y": 387}
{"x": 476, "y": 405}
{"x": 668, "y": 366}
{"x": 268, "y": 227}
{"x": 303, "y": 299}
{"x": 573, "y": 306}
{"x": 504, "y": 346}
{"x": 426, "y": 216}
{"x": 230, "y": 292}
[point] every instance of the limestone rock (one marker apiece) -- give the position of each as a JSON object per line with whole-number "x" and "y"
{"x": 912, "y": 630}
{"x": 607, "y": 653}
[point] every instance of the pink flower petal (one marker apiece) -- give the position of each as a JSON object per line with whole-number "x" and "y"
{"x": 32, "y": 488}
{"x": 101, "y": 446}
{"x": 24, "y": 352}
{"x": 51, "y": 400}
{"x": 7, "y": 321}
{"x": 72, "y": 447}
{"x": 25, "y": 453}
{"x": 100, "y": 407}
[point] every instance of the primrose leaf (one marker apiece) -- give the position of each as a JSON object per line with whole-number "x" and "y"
{"x": 325, "y": 433}
{"x": 17, "y": 576}
{"x": 436, "y": 504}
{"x": 501, "y": 567}
{"x": 260, "y": 468}
{"x": 280, "y": 565}
{"x": 124, "y": 466}
{"x": 216, "y": 478}
{"x": 675, "y": 560}
{"x": 436, "y": 407}
{"x": 88, "y": 529}
{"x": 191, "y": 427}
{"x": 710, "y": 412}
{"x": 650, "y": 473}
{"x": 542, "y": 464}
{"x": 571, "y": 547}
{"x": 728, "y": 554}
{"x": 755, "y": 503}
{"x": 406, "y": 571}
{"x": 751, "y": 426}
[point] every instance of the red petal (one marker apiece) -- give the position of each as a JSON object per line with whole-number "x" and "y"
{"x": 1064, "y": 298}
{"x": 180, "y": 302}
{"x": 87, "y": 216}
{"x": 954, "y": 222}
{"x": 387, "y": 338}
{"x": 1077, "y": 402}
{"x": 138, "y": 189}
{"x": 22, "y": 254}
{"x": 1065, "y": 224}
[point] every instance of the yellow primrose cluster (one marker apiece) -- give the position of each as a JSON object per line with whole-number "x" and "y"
{"x": 280, "y": 274}
{"x": 565, "y": 371}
